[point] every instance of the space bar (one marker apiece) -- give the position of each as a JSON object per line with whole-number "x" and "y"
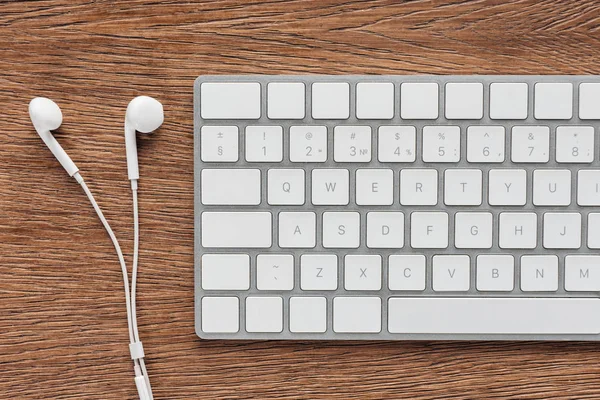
{"x": 478, "y": 315}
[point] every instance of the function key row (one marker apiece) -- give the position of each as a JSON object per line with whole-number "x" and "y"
{"x": 440, "y": 144}
{"x": 418, "y": 100}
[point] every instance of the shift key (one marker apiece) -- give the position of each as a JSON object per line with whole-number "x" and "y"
{"x": 236, "y": 229}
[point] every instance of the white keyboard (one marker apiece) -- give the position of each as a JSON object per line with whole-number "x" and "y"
{"x": 397, "y": 207}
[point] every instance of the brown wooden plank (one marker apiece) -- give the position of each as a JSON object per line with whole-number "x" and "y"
{"x": 63, "y": 332}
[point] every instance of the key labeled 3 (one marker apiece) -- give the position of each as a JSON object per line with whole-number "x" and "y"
{"x": 352, "y": 143}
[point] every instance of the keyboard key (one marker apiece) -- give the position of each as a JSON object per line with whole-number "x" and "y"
{"x": 495, "y": 273}
{"x": 473, "y": 230}
{"x": 341, "y": 230}
{"x": 589, "y": 101}
{"x": 551, "y": 187}
{"x": 508, "y": 101}
{"x": 507, "y": 187}
{"x": 318, "y": 272}
{"x": 330, "y": 186}
{"x": 588, "y": 187}
{"x": 285, "y": 100}
{"x": 419, "y": 100}
{"x": 375, "y": 100}
{"x": 530, "y": 144}
{"x": 593, "y": 230}
{"x": 225, "y": 272}
{"x": 418, "y": 187}
{"x": 297, "y": 229}
{"x": 574, "y": 144}
{"x": 518, "y": 230}
{"x": 562, "y": 230}
{"x": 374, "y": 187}
{"x": 582, "y": 273}
{"x": 220, "y": 314}
{"x": 451, "y": 273}
{"x": 385, "y": 230}
{"x": 406, "y": 272}
{"x": 219, "y": 144}
{"x": 539, "y": 273}
{"x": 429, "y": 230}
{"x": 264, "y": 144}
{"x": 397, "y": 144}
{"x": 330, "y": 100}
{"x": 275, "y": 272}
{"x": 362, "y": 272}
{"x": 553, "y": 101}
{"x": 230, "y": 186}
{"x": 236, "y": 229}
{"x": 264, "y": 314}
{"x": 308, "y": 314}
{"x": 357, "y": 314}
{"x": 462, "y": 187}
{"x": 479, "y": 315}
{"x": 285, "y": 186}
{"x": 230, "y": 100}
{"x": 464, "y": 100}
{"x": 441, "y": 144}
{"x": 308, "y": 144}
{"x": 352, "y": 143}
{"x": 485, "y": 144}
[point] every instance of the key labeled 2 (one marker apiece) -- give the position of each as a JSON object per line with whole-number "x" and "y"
{"x": 308, "y": 144}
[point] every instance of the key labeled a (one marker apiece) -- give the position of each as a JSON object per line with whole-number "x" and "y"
{"x": 297, "y": 229}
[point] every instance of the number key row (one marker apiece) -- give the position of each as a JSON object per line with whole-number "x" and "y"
{"x": 441, "y": 144}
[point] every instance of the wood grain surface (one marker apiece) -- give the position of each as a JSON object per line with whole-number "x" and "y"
{"x": 63, "y": 332}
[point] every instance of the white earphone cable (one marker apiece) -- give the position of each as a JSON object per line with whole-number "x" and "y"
{"x": 136, "y": 249}
{"x": 141, "y": 380}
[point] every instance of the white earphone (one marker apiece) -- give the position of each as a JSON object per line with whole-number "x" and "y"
{"x": 144, "y": 114}
{"x": 46, "y": 116}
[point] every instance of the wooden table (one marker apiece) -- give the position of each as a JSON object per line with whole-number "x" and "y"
{"x": 63, "y": 331}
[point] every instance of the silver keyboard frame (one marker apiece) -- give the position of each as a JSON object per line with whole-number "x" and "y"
{"x": 385, "y": 293}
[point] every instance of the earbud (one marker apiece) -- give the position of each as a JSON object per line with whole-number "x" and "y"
{"x": 144, "y": 114}
{"x": 46, "y": 116}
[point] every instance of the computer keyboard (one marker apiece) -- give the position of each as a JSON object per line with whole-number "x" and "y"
{"x": 397, "y": 207}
